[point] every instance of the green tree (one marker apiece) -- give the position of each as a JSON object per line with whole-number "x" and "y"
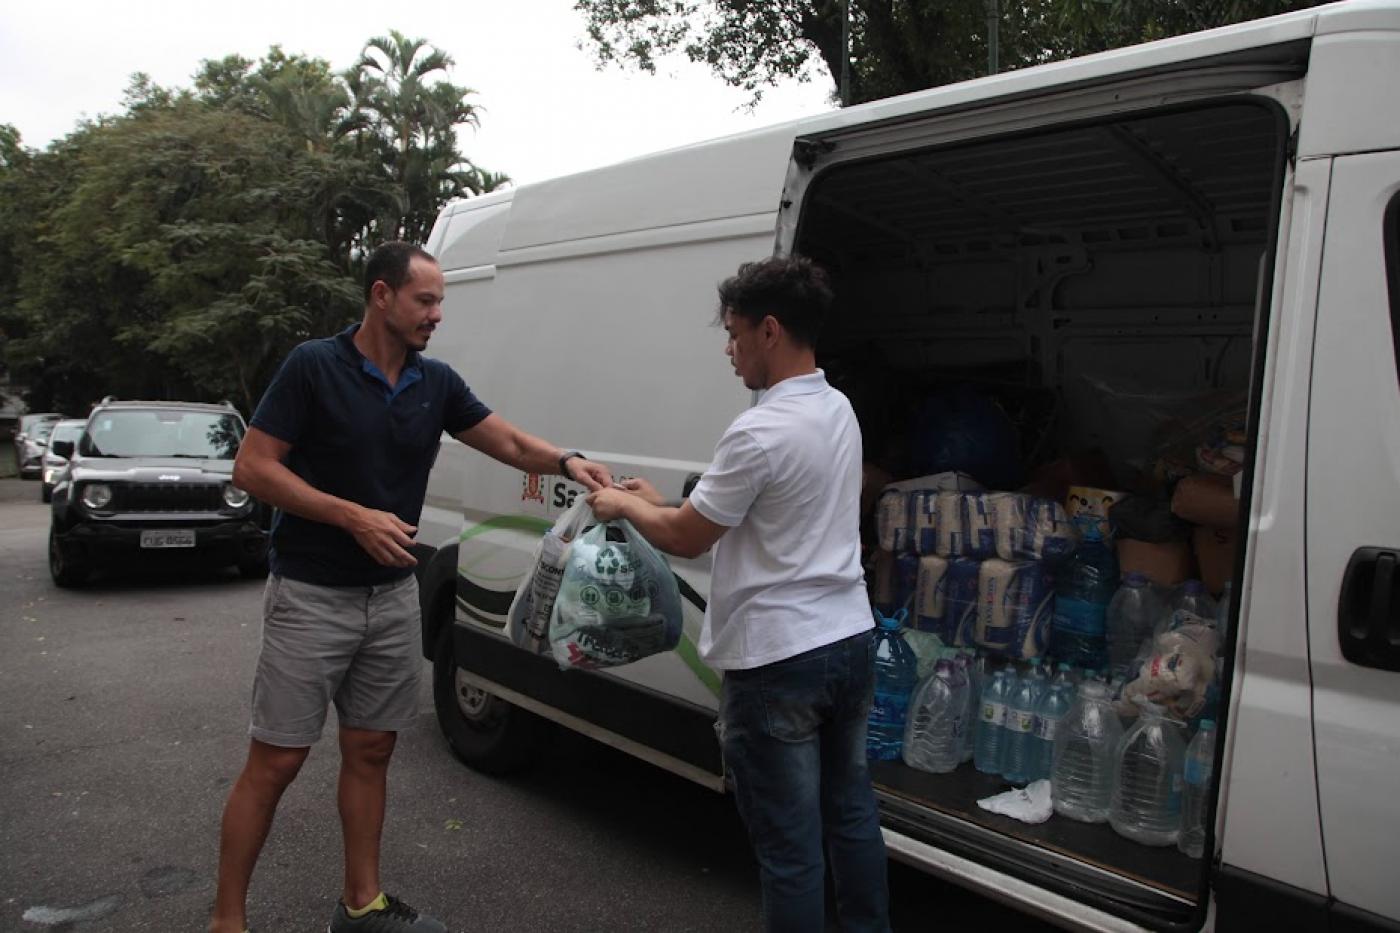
{"x": 180, "y": 248}
{"x": 408, "y": 113}
{"x": 896, "y": 45}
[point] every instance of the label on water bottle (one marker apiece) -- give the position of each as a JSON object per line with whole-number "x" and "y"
{"x": 1020, "y": 721}
{"x": 994, "y": 713}
{"x": 1045, "y": 728}
{"x": 1197, "y": 772}
{"x": 1080, "y": 617}
{"x": 889, "y": 709}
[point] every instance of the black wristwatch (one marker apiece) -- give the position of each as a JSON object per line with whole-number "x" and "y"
{"x": 563, "y": 463}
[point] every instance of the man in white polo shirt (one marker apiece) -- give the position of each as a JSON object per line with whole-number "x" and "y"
{"x": 789, "y": 622}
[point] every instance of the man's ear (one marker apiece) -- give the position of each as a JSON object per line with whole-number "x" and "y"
{"x": 772, "y": 330}
{"x": 379, "y": 293}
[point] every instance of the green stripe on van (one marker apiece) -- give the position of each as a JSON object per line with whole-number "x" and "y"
{"x": 508, "y": 522}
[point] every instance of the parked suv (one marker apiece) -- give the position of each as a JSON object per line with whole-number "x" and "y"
{"x": 31, "y": 440}
{"x": 154, "y": 476}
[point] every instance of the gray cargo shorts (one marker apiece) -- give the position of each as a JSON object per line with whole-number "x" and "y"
{"x": 356, "y": 646}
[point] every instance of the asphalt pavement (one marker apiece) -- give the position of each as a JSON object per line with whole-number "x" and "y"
{"x": 125, "y": 716}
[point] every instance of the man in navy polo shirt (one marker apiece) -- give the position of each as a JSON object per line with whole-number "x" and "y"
{"x": 341, "y": 444}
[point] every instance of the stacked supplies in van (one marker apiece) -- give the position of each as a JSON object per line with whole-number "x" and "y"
{"x": 970, "y": 566}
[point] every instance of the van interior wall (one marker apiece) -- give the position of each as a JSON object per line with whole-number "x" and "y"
{"x": 1084, "y": 284}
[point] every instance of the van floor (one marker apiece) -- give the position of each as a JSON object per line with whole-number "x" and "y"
{"x": 955, "y": 794}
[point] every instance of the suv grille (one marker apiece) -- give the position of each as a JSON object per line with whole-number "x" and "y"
{"x": 167, "y": 497}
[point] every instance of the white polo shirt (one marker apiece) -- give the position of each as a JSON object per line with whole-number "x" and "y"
{"x": 786, "y": 482}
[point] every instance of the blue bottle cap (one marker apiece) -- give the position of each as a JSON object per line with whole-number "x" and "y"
{"x": 1135, "y": 578}
{"x": 1207, "y": 724}
{"x": 1194, "y": 587}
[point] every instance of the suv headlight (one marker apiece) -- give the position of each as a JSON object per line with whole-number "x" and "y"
{"x": 234, "y": 497}
{"x": 97, "y": 496}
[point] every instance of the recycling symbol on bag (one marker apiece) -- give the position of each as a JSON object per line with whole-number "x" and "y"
{"x": 609, "y": 562}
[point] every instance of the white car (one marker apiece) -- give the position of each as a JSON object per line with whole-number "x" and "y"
{"x": 51, "y": 468}
{"x": 31, "y": 440}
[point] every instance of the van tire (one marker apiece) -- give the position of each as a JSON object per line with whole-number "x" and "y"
{"x": 485, "y": 732}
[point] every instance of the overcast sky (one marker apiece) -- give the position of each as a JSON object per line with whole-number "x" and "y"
{"x": 548, "y": 111}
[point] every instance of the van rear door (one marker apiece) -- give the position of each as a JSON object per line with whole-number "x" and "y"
{"x": 1353, "y": 534}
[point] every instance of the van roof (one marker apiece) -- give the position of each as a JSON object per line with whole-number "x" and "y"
{"x": 641, "y": 193}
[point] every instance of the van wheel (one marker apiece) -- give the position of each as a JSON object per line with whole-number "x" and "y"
{"x": 253, "y": 568}
{"x": 67, "y": 571}
{"x": 483, "y": 731}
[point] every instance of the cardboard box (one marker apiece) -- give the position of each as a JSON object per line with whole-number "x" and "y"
{"x": 1164, "y": 564}
{"x": 1207, "y": 499}
{"x": 1053, "y": 480}
{"x": 1215, "y": 554}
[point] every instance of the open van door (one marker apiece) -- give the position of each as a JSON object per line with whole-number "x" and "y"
{"x": 1353, "y": 536}
{"x": 1072, "y": 259}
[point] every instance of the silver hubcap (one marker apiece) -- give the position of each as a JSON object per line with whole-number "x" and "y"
{"x": 471, "y": 701}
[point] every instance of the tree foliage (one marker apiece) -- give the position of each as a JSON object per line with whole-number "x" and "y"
{"x": 896, "y": 45}
{"x": 181, "y": 247}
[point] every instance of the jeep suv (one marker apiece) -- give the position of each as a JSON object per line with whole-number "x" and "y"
{"x": 149, "y": 478}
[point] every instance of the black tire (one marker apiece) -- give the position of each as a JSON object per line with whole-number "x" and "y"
{"x": 485, "y": 732}
{"x": 254, "y": 568}
{"x": 67, "y": 570}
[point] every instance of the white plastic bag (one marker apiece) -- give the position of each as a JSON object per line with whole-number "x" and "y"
{"x": 617, "y": 602}
{"x": 528, "y": 620}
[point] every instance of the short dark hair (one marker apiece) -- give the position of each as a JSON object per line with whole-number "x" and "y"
{"x": 389, "y": 264}
{"x": 793, "y": 289}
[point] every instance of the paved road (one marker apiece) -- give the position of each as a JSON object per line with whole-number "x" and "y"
{"x": 125, "y": 709}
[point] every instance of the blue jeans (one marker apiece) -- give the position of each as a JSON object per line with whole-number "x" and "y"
{"x": 793, "y": 734}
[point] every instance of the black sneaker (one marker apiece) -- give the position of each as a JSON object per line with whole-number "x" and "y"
{"x": 398, "y": 917}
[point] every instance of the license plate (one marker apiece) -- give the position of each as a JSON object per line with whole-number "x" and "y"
{"x": 178, "y": 537}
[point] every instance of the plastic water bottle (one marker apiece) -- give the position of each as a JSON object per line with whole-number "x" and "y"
{"x": 976, "y": 680}
{"x": 1132, "y": 614}
{"x": 991, "y": 727}
{"x": 933, "y": 738}
{"x": 896, "y": 674}
{"x": 1147, "y": 787}
{"x": 1084, "y": 586}
{"x": 1195, "y": 794}
{"x": 1192, "y": 597}
{"x": 1019, "y": 758}
{"x": 1049, "y": 713}
{"x": 1082, "y": 781}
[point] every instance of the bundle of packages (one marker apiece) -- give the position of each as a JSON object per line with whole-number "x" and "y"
{"x": 618, "y": 601}
{"x": 898, "y": 521}
{"x": 1014, "y": 608}
{"x": 960, "y": 598}
{"x": 985, "y": 582}
{"x": 931, "y": 605}
{"x": 1031, "y": 528}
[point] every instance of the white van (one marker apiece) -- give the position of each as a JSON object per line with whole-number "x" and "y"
{"x": 1209, "y": 214}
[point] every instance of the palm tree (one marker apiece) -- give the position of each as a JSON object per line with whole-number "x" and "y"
{"x": 400, "y": 84}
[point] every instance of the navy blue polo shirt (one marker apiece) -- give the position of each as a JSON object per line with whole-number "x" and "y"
{"x": 356, "y": 437}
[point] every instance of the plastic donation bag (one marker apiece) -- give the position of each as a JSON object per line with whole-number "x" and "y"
{"x": 617, "y": 602}
{"x": 528, "y": 619}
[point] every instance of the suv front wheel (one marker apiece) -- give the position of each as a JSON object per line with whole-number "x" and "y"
{"x": 66, "y": 569}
